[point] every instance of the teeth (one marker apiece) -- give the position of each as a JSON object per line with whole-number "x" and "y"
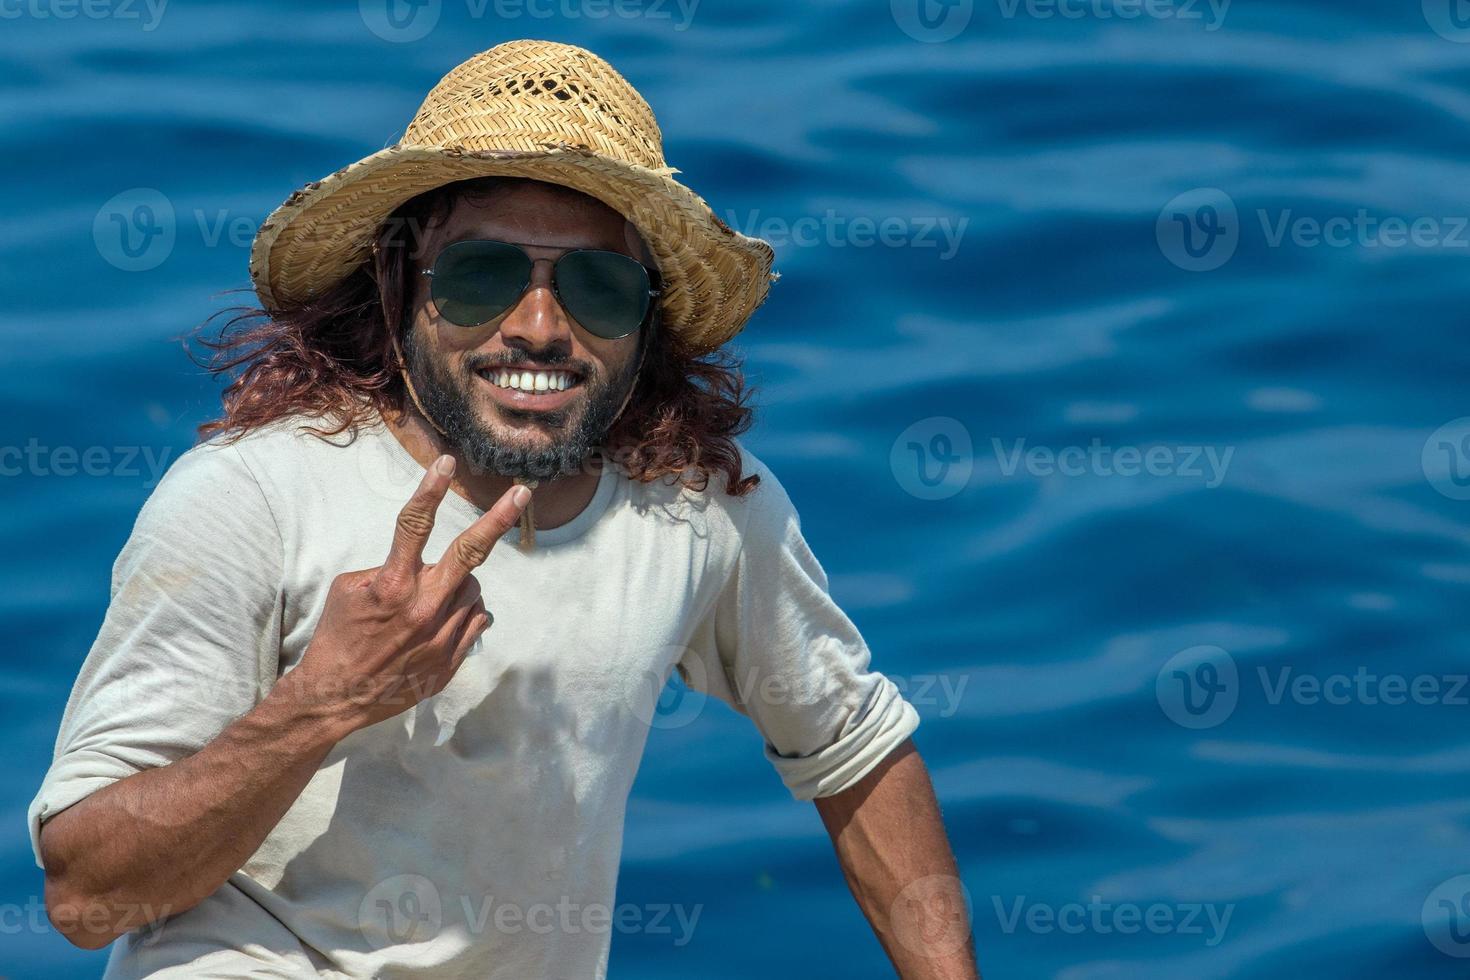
{"x": 532, "y": 380}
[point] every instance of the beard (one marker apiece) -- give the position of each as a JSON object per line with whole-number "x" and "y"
{"x": 555, "y": 442}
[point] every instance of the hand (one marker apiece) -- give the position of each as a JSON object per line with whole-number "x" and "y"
{"x": 392, "y": 636}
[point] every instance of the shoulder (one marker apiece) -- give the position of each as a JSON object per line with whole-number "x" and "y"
{"x": 299, "y": 458}
{"x": 767, "y": 506}
{"x": 765, "y": 510}
{"x": 250, "y": 472}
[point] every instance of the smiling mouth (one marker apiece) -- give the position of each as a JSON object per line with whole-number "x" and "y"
{"x": 530, "y": 381}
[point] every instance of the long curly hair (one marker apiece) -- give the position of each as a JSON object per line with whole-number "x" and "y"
{"x": 331, "y": 358}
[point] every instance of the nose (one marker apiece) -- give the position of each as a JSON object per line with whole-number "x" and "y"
{"x": 537, "y": 321}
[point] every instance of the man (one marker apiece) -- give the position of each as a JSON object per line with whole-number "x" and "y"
{"x": 347, "y": 688}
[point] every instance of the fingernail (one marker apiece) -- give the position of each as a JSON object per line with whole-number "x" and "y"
{"x": 444, "y": 465}
{"x": 520, "y": 496}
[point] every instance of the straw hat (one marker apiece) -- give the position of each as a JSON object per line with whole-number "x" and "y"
{"x": 542, "y": 110}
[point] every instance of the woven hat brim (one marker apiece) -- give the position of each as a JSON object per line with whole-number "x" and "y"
{"x": 714, "y": 278}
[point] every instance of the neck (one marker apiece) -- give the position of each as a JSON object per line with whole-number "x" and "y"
{"x": 559, "y": 498}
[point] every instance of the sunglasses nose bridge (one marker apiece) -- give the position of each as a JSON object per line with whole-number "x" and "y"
{"x": 537, "y": 319}
{"x": 543, "y": 271}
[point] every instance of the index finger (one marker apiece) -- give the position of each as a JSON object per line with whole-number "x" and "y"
{"x": 416, "y": 519}
{"x": 469, "y": 551}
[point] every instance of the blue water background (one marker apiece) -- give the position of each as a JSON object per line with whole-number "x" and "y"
{"x": 1049, "y": 602}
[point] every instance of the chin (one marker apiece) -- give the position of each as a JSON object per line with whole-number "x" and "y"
{"x": 528, "y": 428}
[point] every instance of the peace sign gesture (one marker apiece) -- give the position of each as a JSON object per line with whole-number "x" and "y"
{"x": 394, "y": 635}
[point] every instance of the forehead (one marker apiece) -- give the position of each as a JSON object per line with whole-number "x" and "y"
{"x": 537, "y": 214}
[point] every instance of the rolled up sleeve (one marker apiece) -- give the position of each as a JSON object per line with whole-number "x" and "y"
{"x": 777, "y": 648}
{"x": 190, "y": 637}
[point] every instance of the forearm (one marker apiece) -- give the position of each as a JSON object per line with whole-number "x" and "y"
{"x": 891, "y": 844}
{"x": 159, "y": 842}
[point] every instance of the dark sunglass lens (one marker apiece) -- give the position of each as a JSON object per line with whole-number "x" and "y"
{"x": 475, "y": 282}
{"x": 607, "y": 293}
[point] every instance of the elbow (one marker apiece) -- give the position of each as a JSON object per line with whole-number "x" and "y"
{"x": 84, "y": 919}
{"x": 86, "y": 922}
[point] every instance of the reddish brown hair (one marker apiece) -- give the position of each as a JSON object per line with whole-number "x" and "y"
{"x": 331, "y": 358}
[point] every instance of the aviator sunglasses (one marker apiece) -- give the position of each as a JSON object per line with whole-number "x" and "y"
{"x": 609, "y": 294}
